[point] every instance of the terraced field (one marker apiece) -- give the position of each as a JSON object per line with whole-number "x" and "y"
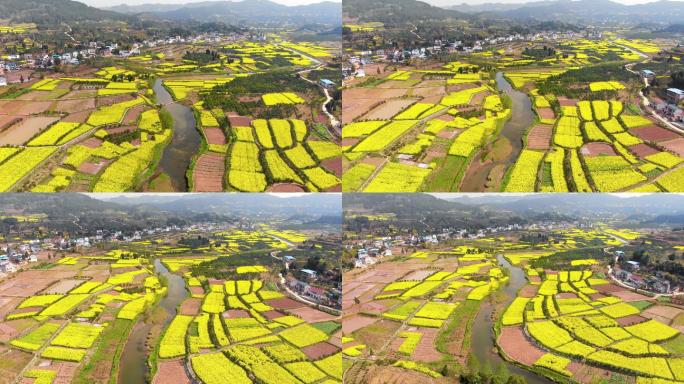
{"x": 442, "y": 128}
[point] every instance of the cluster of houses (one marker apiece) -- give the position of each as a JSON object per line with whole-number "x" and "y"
{"x": 369, "y": 252}
{"x": 16, "y": 62}
{"x": 11, "y": 257}
{"x": 627, "y": 272}
{"x": 669, "y": 107}
{"x": 303, "y": 282}
{"x": 356, "y": 63}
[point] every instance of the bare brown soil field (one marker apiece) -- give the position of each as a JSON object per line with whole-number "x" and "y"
{"x": 92, "y": 168}
{"x": 376, "y": 161}
{"x": 171, "y": 372}
{"x": 653, "y": 316}
{"x": 349, "y": 141}
{"x": 448, "y": 134}
{"x": 81, "y": 93}
{"x": 364, "y": 289}
{"x": 597, "y": 149}
{"x": 394, "y": 84}
{"x": 18, "y": 107}
{"x": 587, "y": 374}
{"x": 334, "y": 165}
{"x": 676, "y": 145}
{"x": 565, "y": 295}
{"x": 13, "y": 361}
{"x": 109, "y": 100}
{"x": 565, "y": 102}
{"x": 630, "y": 320}
{"x": 530, "y": 290}
{"x": 238, "y": 121}
{"x": 539, "y": 136}
{"x": 197, "y": 290}
{"x": 209, "y": 171}
{"x": 311, "y": 315}
{"x": 432, "y": 99}
{"x": 356, "y": 322}
{"x": 117, "y": 130}
{"x": 72, "y": 106}
{"x": 20, "y": 133}
{"x": 63, "y": 286}
{"x": 92, "y": 142}
{"x": 270, "y": 315}
{"x": 627, "y": 295}
{"x": 214, "y": 136}
{"x": 7, "y": 304}
{"x": 425, "y": 350}
{"x": 387, "y": 374}
{"x": 133, "y": 114}
{"x": 608, "y": 288}
{"x": 546, "y": 113}
{"x": 236, "y": 314}
{"x": 515, "y": 345}
{"x": 359, "y": 100}
{"x": 428, "y": 91}
{"x": 419, "y": 275}
{"x": 285, "y": 187}
{"x": 654, "y": 133}
{"x": 78, "y": 117}
{"x": 478, "y": 98}
{"x": 190, "y": 306}
{"x": 352, "y": 109}
{"x": 284, "y": 303}
{"x": 65, "y": 371}
{"x": 319, "y": 350}
{"x": 377, "y": 306}
{"x": 664, "y": 311}
{"x": 7, "y": 120}
{"x": 376, "y": 335}
{"x": 642, "y": 150}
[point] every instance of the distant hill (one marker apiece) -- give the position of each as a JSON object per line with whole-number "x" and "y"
{"x": 241, "y": 203}
{"x": 398, "y": 11}
{"x": 580, "y": 11}
{"x": 54, "y": 12}
{"x": 241, "y": 12}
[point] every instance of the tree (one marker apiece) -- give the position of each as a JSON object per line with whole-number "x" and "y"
{"x": 677, "y": 79}
{"x": 21, "y": 78}
{"x": 516, "y": 379}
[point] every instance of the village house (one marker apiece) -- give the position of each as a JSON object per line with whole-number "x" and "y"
{"x": 674, "y": 95}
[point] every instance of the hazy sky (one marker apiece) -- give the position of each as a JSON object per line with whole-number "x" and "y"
{"x": 442, "y": 3}
{"x": 109, "y": 3}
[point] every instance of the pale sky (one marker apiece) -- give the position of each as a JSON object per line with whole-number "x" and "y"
{"x": 445, "y": 3}
{"x": 111, "y": 3}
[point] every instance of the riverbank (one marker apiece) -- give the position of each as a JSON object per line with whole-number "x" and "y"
{"x": 185, "y": 143}
{"x": 487, "y": 169}
{"x": 135, "y": 368}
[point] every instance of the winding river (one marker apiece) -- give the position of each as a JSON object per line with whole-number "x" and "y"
{"x": 186, "y": 141}
{"x": 133, "y": 365}
{"x": 522, "y": 116}
{"x": 482, "y": 342}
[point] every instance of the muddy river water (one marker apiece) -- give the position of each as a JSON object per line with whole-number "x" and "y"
{"x": 482, "y": 342}
{"x": 186, "y": 141}
{"x": 133, "y": 365}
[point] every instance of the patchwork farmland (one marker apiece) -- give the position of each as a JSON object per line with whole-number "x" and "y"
{"x": 507, "y": 120}
{"x": 196, "y": 305}
{"x": 169, "y": 120}
{"x": 569, "y": 304}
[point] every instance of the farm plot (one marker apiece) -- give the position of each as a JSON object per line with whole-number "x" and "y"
{"x": 580, "y": 330}
{"x": 417, "y": 300}
{"x": 251, "y": 331}
{"x": 279, "y": 151}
